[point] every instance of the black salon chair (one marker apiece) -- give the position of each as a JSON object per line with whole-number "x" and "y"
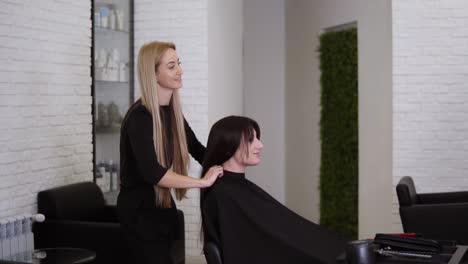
{"x": 212, "y": 253}
{"x": 442, "y": 216}
{"x": 77, "y": 216}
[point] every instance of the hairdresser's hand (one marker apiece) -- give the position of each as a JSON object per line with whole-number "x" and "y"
{"x": 211, "y": 175}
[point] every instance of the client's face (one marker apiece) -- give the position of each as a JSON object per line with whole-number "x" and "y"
{"x": 251, "y": 156}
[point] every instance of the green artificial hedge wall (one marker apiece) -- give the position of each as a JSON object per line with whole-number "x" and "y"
{"x": 339, "y": 131}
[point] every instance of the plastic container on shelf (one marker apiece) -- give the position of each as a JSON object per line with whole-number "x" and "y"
{"x": 97, "y": 19}
{"x": 112, "y": 19}
{"x": 123, "y": 72}
{"x": 104, "y": 12}
{"x": 115, "y": 181}
{"x": 120, "y": 19}
{"x": 100, "y": 66}
{"x": 113, "y": 65}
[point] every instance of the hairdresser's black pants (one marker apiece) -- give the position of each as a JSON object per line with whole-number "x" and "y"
{"x": 144, "y": 252}
{"x": 150, "y": 233}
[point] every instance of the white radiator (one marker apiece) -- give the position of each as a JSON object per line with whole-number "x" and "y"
{"x": 16, "y": 237}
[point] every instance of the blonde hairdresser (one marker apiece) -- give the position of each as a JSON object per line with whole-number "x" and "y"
{"x": 155, "y": 145}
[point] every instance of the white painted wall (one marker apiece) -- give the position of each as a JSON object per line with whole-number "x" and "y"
{"x": 45, "y": 99}
{"x": 264, "y": 84}
{"x": 305, "y": 21}
{"x": 225, "y": 78}
{"x": 430, "y": 54}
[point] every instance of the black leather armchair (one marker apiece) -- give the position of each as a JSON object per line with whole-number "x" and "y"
{"x": 441, "y": 216}
{"x": 77, "y": 216}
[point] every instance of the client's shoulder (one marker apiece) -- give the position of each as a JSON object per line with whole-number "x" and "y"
{"x": 218, "y": 189}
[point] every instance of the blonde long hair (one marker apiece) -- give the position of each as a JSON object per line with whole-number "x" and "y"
{"x": 149, "y": 59}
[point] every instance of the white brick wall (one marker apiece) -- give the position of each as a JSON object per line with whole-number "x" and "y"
{"x": 45, "y": 99}
{"x": 185, "y": 24}
{"x": 430, "y": 95}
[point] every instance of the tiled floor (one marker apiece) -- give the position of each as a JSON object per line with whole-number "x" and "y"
{"x": 195, "y": 260}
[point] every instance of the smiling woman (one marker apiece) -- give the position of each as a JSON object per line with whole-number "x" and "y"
{"x": 155, "y": 144}
{"x": 245, "y": 222}
{"x": 169, "y": 74}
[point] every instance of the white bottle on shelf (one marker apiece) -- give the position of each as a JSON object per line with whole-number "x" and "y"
{"x": 101, "y": 63}
{"x": 11, "y": 236}
{"x": 123, "y": 72}
{"x": 97, "y": 19}
{"x": 115, "y": 179}
{"x": 110, "y": 164}
{"x": 120, "y": 19}
{"x": 100, "y": 176}
{"x": 101, "y": 58}
{"x": 113, "y": 65}
{"x": 112, "y": 18}
{"x": 104, "y": 11}
{"x": 107, "y": 176}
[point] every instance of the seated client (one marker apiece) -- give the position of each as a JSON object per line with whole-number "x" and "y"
{"x": 247, "y": 224}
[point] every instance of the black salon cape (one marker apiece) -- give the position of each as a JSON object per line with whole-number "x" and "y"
{"x": 250, "y": 226}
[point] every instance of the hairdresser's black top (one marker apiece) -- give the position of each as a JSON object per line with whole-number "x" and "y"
{"x": 250, "y": 226}
{"x": 139, "y": 167}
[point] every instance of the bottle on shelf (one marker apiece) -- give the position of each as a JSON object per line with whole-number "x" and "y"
{"x": 102, "y": 116}
{"x": 101, "y": 65}
{"x": 109, "y": 166}
{"x": 109, "y": 67}
{"x": 120, "y": 19}
{"x": 99, "y": 175}
{"x": 114, "y": 114}
{"x": 97, "y": 19}
{"x": 112, "y": 19}
{"x": 105, "y": 177}
{"x": 113, "y": 65}
{"x": 114, "y": 178}
{"x": 104, "y": 12}
{"x": 123, "y": 72}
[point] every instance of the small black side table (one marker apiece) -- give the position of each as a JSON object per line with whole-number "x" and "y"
{"x": 52, "y": 256}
